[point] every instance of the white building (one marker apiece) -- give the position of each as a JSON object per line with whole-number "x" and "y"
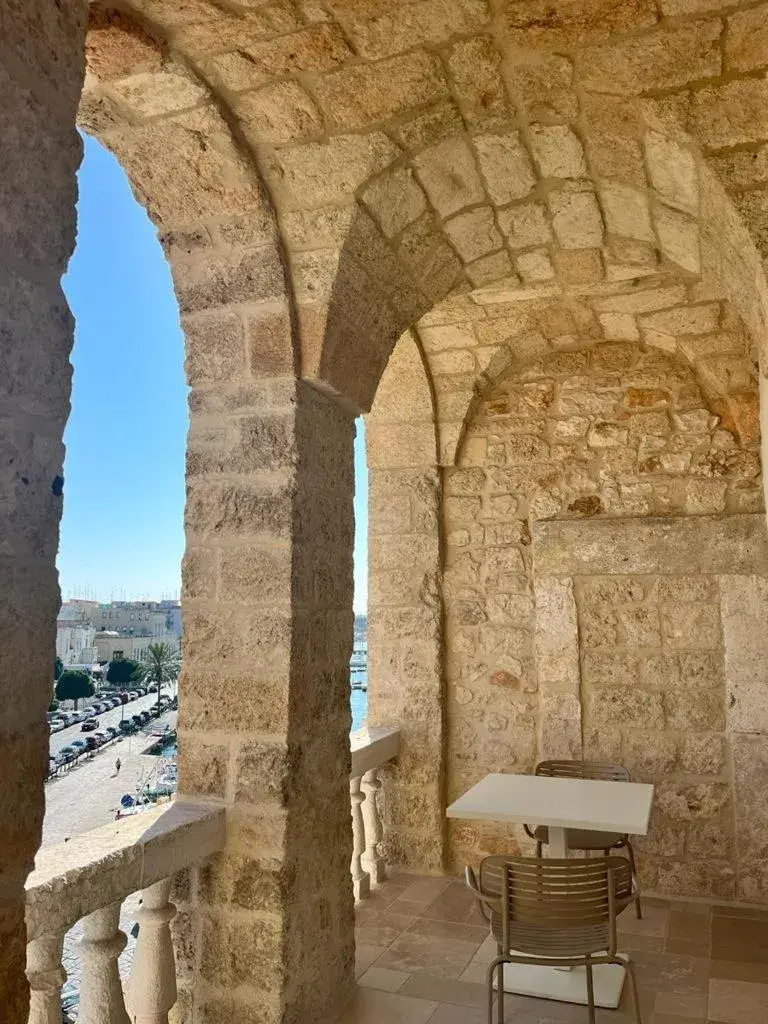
{"x": 75, "y": 642}
{"x": 111, "y": 644}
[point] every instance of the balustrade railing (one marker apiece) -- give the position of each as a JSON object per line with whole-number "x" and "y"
{"x": 88, "y": 878}
{"x": 371, "y": 748}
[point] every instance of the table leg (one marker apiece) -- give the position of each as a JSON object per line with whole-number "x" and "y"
{"x": 557, "y": 847}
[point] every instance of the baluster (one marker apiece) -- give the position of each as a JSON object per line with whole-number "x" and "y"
{"x": 101, "y": 993}
{"x": 152, "y": 986}
{"x": 372, "y": 860}
{"x": 46, "y": 976}
{"x": 361, "y": 883}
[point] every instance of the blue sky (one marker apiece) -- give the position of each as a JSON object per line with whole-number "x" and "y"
{"x": 122, "y": 530}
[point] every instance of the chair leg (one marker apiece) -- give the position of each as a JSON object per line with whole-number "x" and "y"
{"x": 493, "y": 967}
{"x": 539, "y": 849}
{"x": 590, "y": 992}
{"x": 630, "y": 968}
{"x": 633, "y": 867}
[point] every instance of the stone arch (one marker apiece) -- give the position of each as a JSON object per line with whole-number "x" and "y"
{"x": 599, "y": 522}
{"x": 405, "y": 685}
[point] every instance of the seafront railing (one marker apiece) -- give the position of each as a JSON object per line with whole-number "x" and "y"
{"x": 88, "y": 878}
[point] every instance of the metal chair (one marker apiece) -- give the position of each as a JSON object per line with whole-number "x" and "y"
{"x": 583, "y": 839}
{"x": 554, "y": 913}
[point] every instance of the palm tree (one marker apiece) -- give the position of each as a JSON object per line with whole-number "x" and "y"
{"x": 160, "y": 665}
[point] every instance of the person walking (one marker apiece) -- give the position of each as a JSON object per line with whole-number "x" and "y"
{"x": 117, "y": 766}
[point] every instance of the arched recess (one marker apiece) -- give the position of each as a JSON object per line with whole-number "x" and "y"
{"x": 606, "y": 556}
{"x": 405, "y": 686}
{"x": 267, "y": 574}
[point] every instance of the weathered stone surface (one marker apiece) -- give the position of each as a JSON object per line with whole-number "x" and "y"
{"x": 576, "y": 219}
{"x": 659, "y": 59}
{"x": 703, "y": 545}
{"x": 448, "y": 172}
{"x": 319, "y": 173}
{"x": 557, "y": 649}
{"x": 506, "y": 166}
{"x": 558, "y": 151}
{"x": 474, "y": 233}
{"x": 363, "y": 94}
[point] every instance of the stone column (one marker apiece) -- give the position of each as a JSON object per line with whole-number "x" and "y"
{"x": 41, "y": 71}
{"x": 264, "y": 702}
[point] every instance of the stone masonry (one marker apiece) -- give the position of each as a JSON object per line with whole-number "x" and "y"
{"x": 562, "y": 209}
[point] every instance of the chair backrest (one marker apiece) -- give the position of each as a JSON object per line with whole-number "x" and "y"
{"x": 555, "y": 908}
{"x": 602, "y": 771}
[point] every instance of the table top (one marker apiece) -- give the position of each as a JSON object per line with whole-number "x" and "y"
{"x": 623, "y": 807}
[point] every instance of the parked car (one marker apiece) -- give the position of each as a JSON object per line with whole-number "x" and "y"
{"x": 100, "y": 737}
{"x": 68, "y": 754}
{"x": 89, "y": 725}
{"x": 91, "y": 742}
{"x": 127, "y": 726}
{"x": 124, "y": 697}
{"x": 132, "y": 695}
{"x": 80, "y": 744}
{"x": 153, "y": 688}
{"x": 112, "y": 731}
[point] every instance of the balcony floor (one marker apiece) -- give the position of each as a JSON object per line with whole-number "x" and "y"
{"x": 422, "y": 950}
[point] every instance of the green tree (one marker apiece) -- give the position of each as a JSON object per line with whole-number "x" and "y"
{"x": 73, "y": 684}
{"x": 160, "y": 665}
{"x": 58, "y": 668}
{"x": 122, "y": 671}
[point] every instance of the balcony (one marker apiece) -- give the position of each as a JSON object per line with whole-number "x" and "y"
{"x": 88, "y": 879}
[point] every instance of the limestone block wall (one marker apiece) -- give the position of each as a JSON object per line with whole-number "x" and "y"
{"x": 671, "y": 686}
{"x": 603, "y": 659}
{"x": 41, "y": 71}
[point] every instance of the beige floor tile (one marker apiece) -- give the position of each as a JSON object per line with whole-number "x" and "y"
{"x": 736, "y": 970}
{"x": 444, "y": 990}
{"x": 425, "y": 890}
{"x": 450, "y": 1013}
{"x": 737, "y": 1002}
{"x": 653, "y": 922}
{"x": 381, "y": 929}
{"x": 365, "y": 956}
{"x": 673, "y": 1018}
{"x": 692, "y": 1005}
{"x": 384, "y": 979}
{"x": 371, "y": 1006}
{"x": 422, "y": 959}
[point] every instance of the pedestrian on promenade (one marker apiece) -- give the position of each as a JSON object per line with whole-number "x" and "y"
{"x": 117, "y": 766}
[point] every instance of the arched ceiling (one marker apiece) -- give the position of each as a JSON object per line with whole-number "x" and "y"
{"x": 389, "y": 155}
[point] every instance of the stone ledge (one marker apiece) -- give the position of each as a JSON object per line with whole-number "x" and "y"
{"x": 373, "y": 747}
{"x": 97, "y": 868}
{"x": 691, "y": 544}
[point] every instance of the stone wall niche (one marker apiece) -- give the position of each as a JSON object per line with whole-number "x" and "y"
{"x": 673, "y": 682}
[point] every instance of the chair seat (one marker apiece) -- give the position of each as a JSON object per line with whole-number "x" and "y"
{"x": 582, "y": 839}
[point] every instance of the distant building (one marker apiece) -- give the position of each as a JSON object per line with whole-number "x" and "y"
{"x": 111, "y": 644}
{"x": 75, "y": 642}
{"x": 172, "y": 611}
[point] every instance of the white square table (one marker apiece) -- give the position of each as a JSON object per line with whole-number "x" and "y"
{"x": 560, "y": 804}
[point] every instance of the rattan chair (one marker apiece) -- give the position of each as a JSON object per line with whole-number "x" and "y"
{"x": 583, "y": 839}
{"x": 554, "y": 913}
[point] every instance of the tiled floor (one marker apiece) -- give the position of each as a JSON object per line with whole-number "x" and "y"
{"x": 422, "y": 950}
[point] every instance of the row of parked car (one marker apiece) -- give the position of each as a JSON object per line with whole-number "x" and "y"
{"x": 59, "y": 720}
{"x": 97, "y": 737}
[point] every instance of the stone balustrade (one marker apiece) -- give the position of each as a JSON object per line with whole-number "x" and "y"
{"x": 87, "y": 879}
{"x": 371, "y": 748}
